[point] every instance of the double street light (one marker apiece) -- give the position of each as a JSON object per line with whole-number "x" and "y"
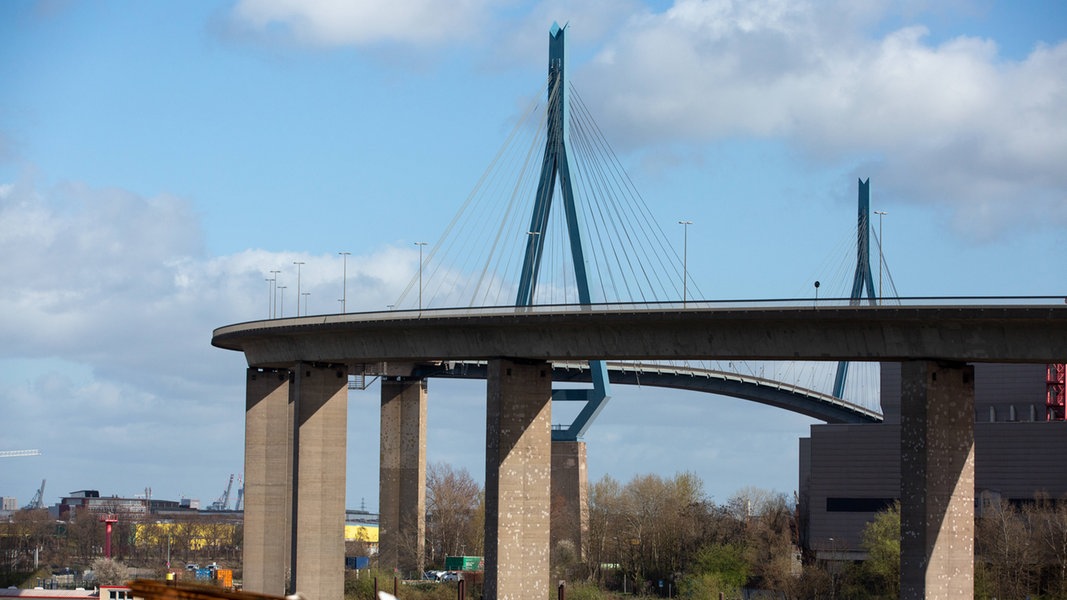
{"x": 274, "y": 294}
{"x": 880, "y": 213}
{"x": 344, "y": 282}
{"x": 420, "y": 245}
{"x": 298, "y": 263}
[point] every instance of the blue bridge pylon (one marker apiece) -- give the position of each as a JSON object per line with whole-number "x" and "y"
{"x": 556, "y": 166}
{"x": 862, "y": 280}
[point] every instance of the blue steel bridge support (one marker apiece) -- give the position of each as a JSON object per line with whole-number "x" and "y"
{"x": 556, "y": 164}
{"x": 862, "y": 278}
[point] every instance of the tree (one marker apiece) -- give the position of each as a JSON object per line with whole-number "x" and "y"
{"x": 767, "y": 534}
{"x": 1004, "y": 542}
{"x": 85, "y": 535}
{"x": 881, "y": 540}
{"x": 454, "y": 513}
{"x": 1049, "y": 520}
{"x": 107, "y": 571}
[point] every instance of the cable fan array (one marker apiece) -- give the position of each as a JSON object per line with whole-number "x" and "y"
{"x": 478, "y": 258}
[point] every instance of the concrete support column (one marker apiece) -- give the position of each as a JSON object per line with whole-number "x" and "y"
{"x": 402, "y": 475}
{"x": 518, "y": 462}
{"x": 937, "y": 481}
{"x": 320, "y": 401}
{"x": 268, "y": 473}
{"x": 570, "y": 497}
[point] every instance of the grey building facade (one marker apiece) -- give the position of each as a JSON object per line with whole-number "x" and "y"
{"x": 850, "y": 472}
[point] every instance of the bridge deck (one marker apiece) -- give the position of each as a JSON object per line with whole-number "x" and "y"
{"x": 959, "y": 333}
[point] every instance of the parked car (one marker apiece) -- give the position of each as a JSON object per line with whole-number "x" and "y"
{"x": 451, "y": 576}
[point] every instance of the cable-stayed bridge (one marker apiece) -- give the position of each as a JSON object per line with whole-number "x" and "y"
{"x": 535, "y": 295}
{"x": 556, "y": 220}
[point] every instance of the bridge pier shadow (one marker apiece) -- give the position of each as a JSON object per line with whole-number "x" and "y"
{"x": 937, "y": 480}
{"x": 402, "y": 473}
{"x": 518, "y": 466}
{"x": 296, "y": 427}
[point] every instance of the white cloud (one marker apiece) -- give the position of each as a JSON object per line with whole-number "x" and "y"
{"x": 951, "y": 123}
{"x": 107, "y": 364}
{"x": 340, "y": 22}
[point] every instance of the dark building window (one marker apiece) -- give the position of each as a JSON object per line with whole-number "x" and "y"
{"x": 870, "y": 505}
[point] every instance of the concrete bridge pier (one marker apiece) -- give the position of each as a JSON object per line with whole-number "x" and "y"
{"x": 296, "y": 423}
{"x": 570, "y": 496}
{"x": 937, "y": 480}
{"x": 320, "y": 440}
{"x": 402, "y": 474}
{"x": 268, "y": 479}
{"x": 518, "y": 464}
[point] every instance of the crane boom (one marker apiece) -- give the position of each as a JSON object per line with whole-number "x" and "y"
{"x": 38, "y": 498}
{"x": 13, "y": 453}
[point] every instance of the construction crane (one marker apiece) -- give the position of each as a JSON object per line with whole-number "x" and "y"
{"x": 38, "y": 499}
{"x": 240, "y": 493}
{"x": 223, "y": 503}
{"x": 13, "y": 453}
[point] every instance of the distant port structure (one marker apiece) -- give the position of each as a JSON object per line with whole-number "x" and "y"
{"x": 299, "y": 369}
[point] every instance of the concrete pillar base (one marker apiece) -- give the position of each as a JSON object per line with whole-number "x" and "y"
{"x": 570, "y": 497}
{"x": 402, "y": 475}
{"x": 518, "y": 461}
{"x": 937, "y": 481}
{"x": 320, "y": 401}
{"x": 268, "y": 473}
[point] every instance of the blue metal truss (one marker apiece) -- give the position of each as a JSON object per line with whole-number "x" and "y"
{"x": 556, "y": 163}
{"x": 863, "y": 278}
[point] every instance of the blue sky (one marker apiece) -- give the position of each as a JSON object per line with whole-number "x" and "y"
{"x": 158, "y": 159}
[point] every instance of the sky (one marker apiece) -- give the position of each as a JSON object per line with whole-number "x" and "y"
{"x": 159, "y": 159}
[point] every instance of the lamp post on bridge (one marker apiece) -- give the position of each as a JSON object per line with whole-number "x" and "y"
{"x": 420, "y": 245}
{"x": 274, "y": 294}
{"x": 281, "y": 308}
{"x": 270, "y": 297}
{"x": 298, "y": 263}
{"x": 344, "y": 282}
{"x": 880, "y": 213}
{"x": 685, "y": 257}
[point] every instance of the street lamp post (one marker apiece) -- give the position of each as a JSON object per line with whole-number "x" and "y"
{"x": 685, "y": 257}
{"x": 270, "y": 297}
{"x": 344, "y": 282}
{"x": 281, "y": 307}
{"x": 274, "y": 296}
{"x": 420, "y": 245}
{"x": 880, "y": 213}
{"x": 298, "y": 263}
{"x": 305, "y": 294}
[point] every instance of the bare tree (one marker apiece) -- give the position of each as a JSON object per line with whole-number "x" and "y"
{"x": 1003, "y": 539}
{"x": 455, "y": 513}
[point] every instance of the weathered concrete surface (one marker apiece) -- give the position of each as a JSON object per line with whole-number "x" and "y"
{"x": 402, "y": 475}
{"x": 268, "y": 474}
{"x": 320, "y": 401}
{"x": 570, "y": 495}
{"x": 937, "y": 481}
{"x": 518, "y": 463}
{"x": 898, "y": 333}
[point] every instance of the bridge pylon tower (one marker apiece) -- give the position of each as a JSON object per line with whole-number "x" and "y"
{"x": 862, "y": 279}
{"x": 556, "y": 165}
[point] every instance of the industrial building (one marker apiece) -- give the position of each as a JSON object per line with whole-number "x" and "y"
{"x": 848, "y": 472}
